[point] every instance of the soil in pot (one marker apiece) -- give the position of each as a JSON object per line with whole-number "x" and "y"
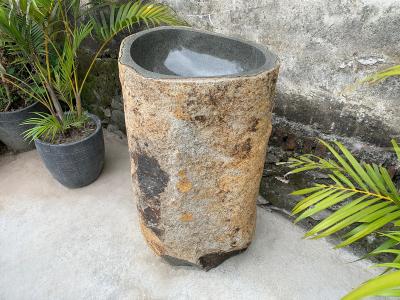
{"x": 74, "y": 134}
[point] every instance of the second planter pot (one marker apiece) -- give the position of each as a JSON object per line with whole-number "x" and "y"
{"x": 11, "y": 129}
{"x": 75, "y": 164}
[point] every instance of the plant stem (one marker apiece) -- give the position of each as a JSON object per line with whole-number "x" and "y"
{"x": 93, "y": 63}
{"x": 9, "y": 100}
{"x": 78, "y": 94}
{"x": 53, "y": 96}
{"x": 56, "y": 103}
{"x": 361, "y": 192}
{"x": 78, "y": 104}
{"x": 46, "y": 45}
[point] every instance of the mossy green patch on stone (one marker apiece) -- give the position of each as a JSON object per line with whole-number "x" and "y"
{"x": 102, "y": 84}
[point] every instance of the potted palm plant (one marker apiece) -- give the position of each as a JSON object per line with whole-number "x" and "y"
{"x": 49, "y": 33}
{"x": 15, "y": 107}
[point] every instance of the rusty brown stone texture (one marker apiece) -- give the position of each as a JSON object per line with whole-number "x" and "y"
{"x": 197, "y": 151}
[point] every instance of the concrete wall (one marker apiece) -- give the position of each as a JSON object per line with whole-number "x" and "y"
{"x": 324, "y": 46}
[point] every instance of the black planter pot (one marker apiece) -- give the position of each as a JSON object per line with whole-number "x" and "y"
{"x": 11, "y": 129}
{"x": 75, "y": 164}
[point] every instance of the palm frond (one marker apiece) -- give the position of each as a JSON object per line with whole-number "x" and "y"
{"x": 22, "y": 36}
{"x": 369, "y": 201}
{"x": 386, "y": 285}
{"x": 44, "y": 125}
{"x": 47, "y": 127}
{"x": 379, "y": 76}
{"x": 396, "y": 148}
{"x": 366, "y": 192}
{"x": 80, "y": 33}
{"x": 115, "y": 18}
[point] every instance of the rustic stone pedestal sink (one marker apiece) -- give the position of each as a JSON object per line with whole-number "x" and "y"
{"x": 198, "y": 116}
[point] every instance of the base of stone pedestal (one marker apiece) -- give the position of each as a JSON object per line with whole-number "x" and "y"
{"x": 206, "y": 262}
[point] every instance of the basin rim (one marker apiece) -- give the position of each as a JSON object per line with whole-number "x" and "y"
{"x": 126, "y": 59}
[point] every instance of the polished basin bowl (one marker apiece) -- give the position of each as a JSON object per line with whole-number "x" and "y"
{"x": 198, "y": 114}
{"x": 174, "y": 53}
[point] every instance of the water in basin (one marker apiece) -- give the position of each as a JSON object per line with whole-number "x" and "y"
{"x": 180, "y": 52}
{"x": 189, "y": 63}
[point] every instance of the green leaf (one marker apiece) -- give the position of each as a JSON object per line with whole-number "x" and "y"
{"x": 378, "y": 214}
{"x": 375, "y": 286}
{"x": 306, "y": 191}
{"x": 338, "y": 183}
{"x": 370, "y": 228}
{"x": 393, "y": 251}
{"x": 347, "y": 210}
{"x": 359, "y": 169}
{"x": 396, "y": 148}
{"x": 376, "y": 176}
{"x": 390, "y": 184}
{"x": 302, "y": 169}
{"x": 115, "y": 18}
{"x": 392, "y": 71}
{"x": 388, "y": 265}
{"x": 386, "y": 245}
{"x": 346, "y": 166}
{"x": 344, "y": 179}
{"x": 325, "y": 203}
{"x": 352, "y": 219}
{"x": 389, "y": 293}
{"x": 312, "y": 199}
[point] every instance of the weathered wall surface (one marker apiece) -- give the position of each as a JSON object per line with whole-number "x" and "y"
{"x": 324, "y": 46}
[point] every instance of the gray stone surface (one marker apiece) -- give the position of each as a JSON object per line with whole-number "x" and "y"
{"x": 184, "y": 52}
{"x": 325, "y": 46}
{"x": 57, "y": 243}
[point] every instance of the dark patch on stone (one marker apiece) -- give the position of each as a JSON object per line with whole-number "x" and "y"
{"x": 151, "y": 215}
{"x": 201, "y": 119}
{"x": 216, "y": 95}
{"x": 152, "y": 179}
{"x": 152, "y": 182}
{"x": 177, "y": 262}
{"x": 242, "y": 150}
{"x": 151, "y": 218}
{"x": 213, "y": 99}
{"x": 213, "y": 260}
{"x": 253, "y": 126}
{"x": 290, "y": 142}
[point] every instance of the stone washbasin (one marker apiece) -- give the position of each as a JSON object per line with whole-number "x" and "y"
{"x": 198, "y": 115}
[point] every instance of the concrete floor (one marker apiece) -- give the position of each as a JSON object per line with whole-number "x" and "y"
{"x": 57, "y": 243}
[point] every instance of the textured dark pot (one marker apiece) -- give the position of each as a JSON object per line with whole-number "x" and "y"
{"x": 75, "y": 164}
{"x": 11, "y": 129}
